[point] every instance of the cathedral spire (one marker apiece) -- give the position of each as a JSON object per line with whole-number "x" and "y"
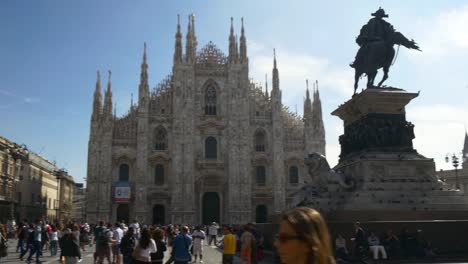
{"x": 97, "y": 105}
{"x": 178, "y": 43}
{"x": 243, "y": 45}
{"x": 316, "y": 91}
{"x": 275, "y": 73}
{"x": 307, "y": 102}
{"x": 232, "y": 44}
{"x": 143, "y": 88}
{"x": 194, "y": 36}
{"x": 189, "y": 41}
{"x": 266, "y": 85}
{"x": 108, "y": 98}
{"x": 317, "y": 122}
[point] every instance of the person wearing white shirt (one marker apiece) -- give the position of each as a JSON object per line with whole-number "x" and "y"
{"x": 144, "y": 247}
{"x": 375, "y": 246}
{"x": 198, "y": 236}
{"x": 136, "y": 227}
{"x": 117, "y": 236}
{"x": 213, "y": 232}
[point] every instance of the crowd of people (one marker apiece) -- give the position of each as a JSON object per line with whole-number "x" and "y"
{"x": 303, "y": 237}
{"x": 384, "y": 246}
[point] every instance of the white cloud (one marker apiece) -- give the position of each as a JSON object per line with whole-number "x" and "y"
{"x": 439, "y": 130}
{"x": 444, "y": 34}
{"x": 295, "y": 68}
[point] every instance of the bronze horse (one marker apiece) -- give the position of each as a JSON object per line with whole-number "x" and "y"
{"x": 379, "y": 54}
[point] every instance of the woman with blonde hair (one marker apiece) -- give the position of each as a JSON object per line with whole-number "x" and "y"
{"x": 303, "y": 238}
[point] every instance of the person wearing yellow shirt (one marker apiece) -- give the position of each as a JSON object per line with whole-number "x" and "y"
{"x": 229, "y": 246}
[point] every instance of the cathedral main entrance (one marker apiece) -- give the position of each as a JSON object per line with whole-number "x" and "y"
{"x": 159, "y": 214}
{"x": 123, "y": 213}
{"x": 211, "y": 208}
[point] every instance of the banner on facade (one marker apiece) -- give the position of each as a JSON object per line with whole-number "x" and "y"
{"x": 122, "y": 192}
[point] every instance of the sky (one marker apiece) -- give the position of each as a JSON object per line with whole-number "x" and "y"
{"x": 50, "y": 51}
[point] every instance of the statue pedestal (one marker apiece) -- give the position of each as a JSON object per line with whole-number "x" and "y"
{"x": 377, "y": 152}
{"x": 375, "y": 121}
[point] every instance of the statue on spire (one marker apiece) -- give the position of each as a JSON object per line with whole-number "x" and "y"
{"x": 376, "y": 40}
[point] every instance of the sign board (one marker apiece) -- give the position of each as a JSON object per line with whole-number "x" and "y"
{"x": 122, "y": 192}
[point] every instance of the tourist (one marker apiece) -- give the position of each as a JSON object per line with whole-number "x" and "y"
{"x": 127, "y": 245}
{"x": 158, "y": 236}
{"x": 117, "y": 237}
{"x": 103, "y": 250}
{"x": 229, "y": 246}
{"x": 21, "y": 234}
{"x": 391, "y": 244}
{"x": 375, "y": 247}
{"x": 3, "y": 242}
{"x": 84, "y": 237}
{"x": 247, "y": 241}
{"x": 181, "y": 246}
{"x": 198, "y": 236}
{"x": 341, "y": 250}
{"x": 97, "y": 230}
{"x": 144, "y": 247}
{"x": 303, "y": 238}
{"x": 70, "y": 247}
{"x": 213, "y": 233}
{"x": 36, "y": 241}
{"x": 29, "y": 241}
{"x": 53, "y": 236}
{"x": 360, "y": 243}
{"x": 136, "y": 227}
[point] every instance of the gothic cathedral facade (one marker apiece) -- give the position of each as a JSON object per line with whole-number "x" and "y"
{"x": 206, "y": 144}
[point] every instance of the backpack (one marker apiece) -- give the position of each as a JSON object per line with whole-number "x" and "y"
{"x": 103, "y": 239}
{"x": 84, "y": 237}
{"x": 127, "y": 244}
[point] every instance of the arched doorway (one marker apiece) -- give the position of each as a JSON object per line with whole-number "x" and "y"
{"x": 123, "y": 213}
{"x": 261, "y": 214}
{"x": 159, "y": 214}
{"x": 211, "y": 210}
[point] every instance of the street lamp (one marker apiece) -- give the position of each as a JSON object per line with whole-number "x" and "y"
{"x": 58, "y": 175}
{"x": 455, "y": 159}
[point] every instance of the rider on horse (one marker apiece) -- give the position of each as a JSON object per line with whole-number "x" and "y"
{"x": 375, "y": 30}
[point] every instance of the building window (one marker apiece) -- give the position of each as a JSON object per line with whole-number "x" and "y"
{"x": 211, "y": 148}
{"x": 124, "y": 172}
{"x": 293, "y": 175}
{"x": 260, "y": 177}
{"x": 210, "y": 100}
{"x": 160, "y": 139}
{"x": 260, "y": 141}
{"x": 32, "y": 199}
{"x": 159, "y": 175}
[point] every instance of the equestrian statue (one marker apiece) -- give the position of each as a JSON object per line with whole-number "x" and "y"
{"x": 376, "y": 40}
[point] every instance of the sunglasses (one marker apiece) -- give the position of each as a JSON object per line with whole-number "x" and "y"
{"x": 283, "y": 238}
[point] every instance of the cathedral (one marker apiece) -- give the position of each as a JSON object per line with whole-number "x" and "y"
{"x": 206, "y": 144}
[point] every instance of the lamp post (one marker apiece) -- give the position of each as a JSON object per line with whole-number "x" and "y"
{"x": 58, "y": 175}
{"x": 455, "y": 159}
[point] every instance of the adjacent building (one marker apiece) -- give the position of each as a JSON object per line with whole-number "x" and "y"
{"x": 11, "y": 157}
{"x": 206, "y": 144}
{"x": 79, "y": 203}
{"x": 31, "y": 187}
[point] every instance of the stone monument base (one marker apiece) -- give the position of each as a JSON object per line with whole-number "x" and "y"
{"x": 390, "y": 179}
